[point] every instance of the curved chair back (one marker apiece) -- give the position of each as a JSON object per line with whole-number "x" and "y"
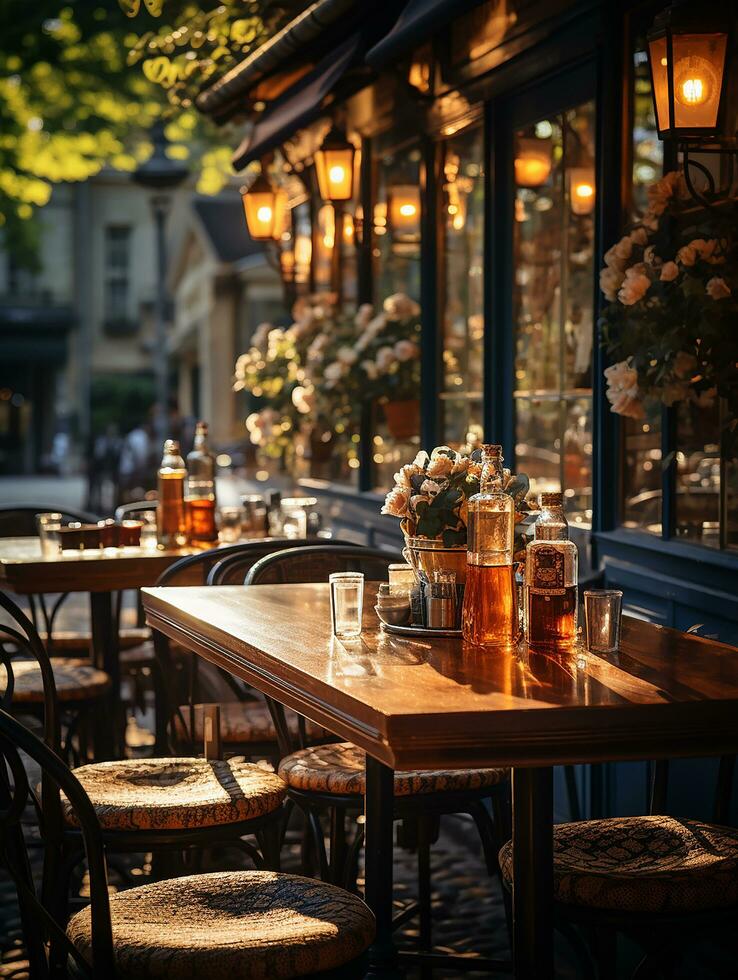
{"x": 128, "y": 512}
{"x": 233, "y": 568}
{"x": 316, "y": 562}
{"x": 19, "y": 520}
{"x": 44, "y": 934}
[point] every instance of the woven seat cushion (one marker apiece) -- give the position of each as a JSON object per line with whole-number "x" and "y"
{"x": 231, "y": 924}
{"x": 175, "y": 794}
{"x": 341, "y": 768}
{"x": 243, "y": 722}
{"x": 642, "y": 864}
{"x": 75, "y": 680}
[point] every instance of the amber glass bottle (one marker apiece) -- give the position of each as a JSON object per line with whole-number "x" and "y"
{"x": 201, "y": 488}
{"x": 551, "y": 572}
{"x": 171, "y": 514}
{"x": 490, "y": 614}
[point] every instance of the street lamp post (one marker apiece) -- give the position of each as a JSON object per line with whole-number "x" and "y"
{"x": 161, "y": 175}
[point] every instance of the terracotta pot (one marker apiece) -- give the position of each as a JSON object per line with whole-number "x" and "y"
{"x": 403, "y": 418}
{"x": 431, "y": 555}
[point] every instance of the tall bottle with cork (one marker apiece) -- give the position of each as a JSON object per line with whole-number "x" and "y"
{"x": 551, "y": 573}
{"x": 490, "y": 615}
{"x": 171, "y": 513}
{"x": 201, "y": 488}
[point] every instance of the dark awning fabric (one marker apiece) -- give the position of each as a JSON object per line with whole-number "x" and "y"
{"x": 296, "y": 109}
{"x": 416, "y": 24}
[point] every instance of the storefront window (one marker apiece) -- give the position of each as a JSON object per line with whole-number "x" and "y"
{"x": 552, "y": 305}
{"x": 463, "y": 318}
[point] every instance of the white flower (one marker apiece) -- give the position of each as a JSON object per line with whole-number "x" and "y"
{"x": 430, "y": 488}
{"x": 333, "y": 371}
{"x": 406, "y": 350}
{"x": 406, "y": 473}
{"x": 618, "y": 255}
{"x": 610, "y": 281}
{"x": 717, "y": 288}
{"x": 363, "y": 315}
{"x": 396, "y": 502}
{"x": 634, "y": 288}
{"x": 440, "y": 466}
{"x": 461, "y": 465}
{"x": 401, "y": 307}
{"x": 385, "y": 359}
{"x": 622, "y": 390}
{"x": 421, "y": 460}
{"x": 669, "y": 272}
{"x": 650, "y": 257}
{"x": 347, "y": 356}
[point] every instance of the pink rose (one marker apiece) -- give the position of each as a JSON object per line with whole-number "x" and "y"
{"x": 639, "y": 236}
{"x": 396, "y": 502}
{"x": 717, "y": 288}
{"x": 610, "y": 281}
{"x": 618, "y": 255}
{"x": 440, "y": 466}
{"x": 634, "y": 288}
{"x": 406, "y": 350}
{"x": 687, "y": 255}
{"x": 385, "y": 359}
{"x": 669, "y": 272}
{"x": 401, "y": 307}
{"x": 622, "y": 390}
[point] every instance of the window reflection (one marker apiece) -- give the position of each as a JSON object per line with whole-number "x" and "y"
{"x": 463, "y": 324}
{"x": 552, "y": 305}
{"x": 698, "y": 474}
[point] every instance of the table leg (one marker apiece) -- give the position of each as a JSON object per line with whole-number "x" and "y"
{"x": 532, "y": 795}
{"x": 379, "y": 813}
{"x": 108, "y": 740}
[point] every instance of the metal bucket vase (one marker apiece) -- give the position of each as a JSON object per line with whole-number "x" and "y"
{"x": 431, "y": 555}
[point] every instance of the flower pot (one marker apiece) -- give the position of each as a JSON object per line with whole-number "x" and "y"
{"x": 431, "y": 555}
{"x": 403, "y": 418}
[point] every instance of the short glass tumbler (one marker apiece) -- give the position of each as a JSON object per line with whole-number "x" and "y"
{"x": 48, "y": 532}
{"x": 347, "y": 604}
{"x": 602, "y": 612}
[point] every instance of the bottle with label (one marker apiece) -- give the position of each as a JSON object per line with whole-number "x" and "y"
{"x": 171, "y": 513}
{"x": 551, "y": 575}
{"x": 201, "y": 489}
{"x": 489, "y": 614}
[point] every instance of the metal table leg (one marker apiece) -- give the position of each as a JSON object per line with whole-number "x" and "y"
{"x": 379, "y": 813}
{"x": 108, "y": 739}
{"x": 532, "y": 795}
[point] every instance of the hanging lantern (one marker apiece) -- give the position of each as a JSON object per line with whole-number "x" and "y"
{"x": 532, "y": 162}
{"x": 687, "y": 52}
{"x": 581, "y": 190}
{"x": 334, "y": 166}
{"x": 403, "y": 207}
{"x": 265, "y": 207}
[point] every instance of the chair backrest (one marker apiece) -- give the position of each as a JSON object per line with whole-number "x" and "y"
{"x": 19, "y": 520}
{"x": 44, "y": 935}
{"x": 126, "y": 512}
{"x": 233, "y": 568}
{"x": 316, "y": 562}
{"x": 195, "y": 569}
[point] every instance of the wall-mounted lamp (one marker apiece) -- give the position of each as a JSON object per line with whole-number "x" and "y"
{"x": 403, "y": 212}
{"x": 265, "y": 206}
{"x": 532, "y": 162}
{"x": 582, "y": 190}
{"x": 334, "y": 167}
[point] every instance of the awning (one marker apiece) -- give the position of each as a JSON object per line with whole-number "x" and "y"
{"x": 416, "y": 24}
{"x": 296, "y": 109}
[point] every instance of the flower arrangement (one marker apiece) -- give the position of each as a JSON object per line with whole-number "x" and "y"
{"x": 672, "y": 290}
{"x": 431, "y": 495}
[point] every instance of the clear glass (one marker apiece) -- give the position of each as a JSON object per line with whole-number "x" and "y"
{"x": 602, "y": 615}
{"x": 294, "y": 522}
{"x": 254, "y": 519}
{"x": 347, "y": 604}
{"x": 551, "y": 579}
{"x": 401, "y": 579}
{"x": 148, "y": 531}
{"x": 553, "y": 255}
{"x": 48, "y": 525}
{"x": 230, "y": 520}
{"x": 463, "y": 315}
{"x": 489, "y": 614}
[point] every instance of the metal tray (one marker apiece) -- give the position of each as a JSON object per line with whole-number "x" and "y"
{"x": 423, "y": 631}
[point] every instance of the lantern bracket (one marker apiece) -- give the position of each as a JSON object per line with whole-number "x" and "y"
{"x": 713, "y": 195}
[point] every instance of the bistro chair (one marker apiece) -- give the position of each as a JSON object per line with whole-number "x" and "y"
{"x": 243, "y": 923}
{"x": 149, "y": 804}
{"x": 660, "y": 880}
{"x": 333, "y": 777}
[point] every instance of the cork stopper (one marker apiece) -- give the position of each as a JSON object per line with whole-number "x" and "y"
{"x": 491, "y": 451}
{"x": 551, "y": 499}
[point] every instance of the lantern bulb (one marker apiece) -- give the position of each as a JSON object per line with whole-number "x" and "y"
{"x": 336, "y": 174}
{"x": 584, "y": 191}
{"x": 694, "y": 81}
{"x": 264, "y": 214}
{"x": 407, "y": 210}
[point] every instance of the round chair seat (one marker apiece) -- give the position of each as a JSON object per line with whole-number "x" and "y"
{"x": 76, "y": 680}
{"x": 341, "y": 768}
{"x": 235, "y": 923}
{"x": 136, "y": 657}
{"x": 244, "y": 722}
{"x": 176, "y": 794}
{"x": 642, "y": 864}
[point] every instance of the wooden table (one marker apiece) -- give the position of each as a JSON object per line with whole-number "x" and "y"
{"x": 102, "y": 572}
{"x": 410, "y": 704}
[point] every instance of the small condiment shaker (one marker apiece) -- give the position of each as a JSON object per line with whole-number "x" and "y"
{"x": 440, "y": 601}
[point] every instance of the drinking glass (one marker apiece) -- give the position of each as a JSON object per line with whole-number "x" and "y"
{"x": 48, "y": 533}
{"x": 347, "y": 603}
{"x": 254, "y": 521}
{"x": 401, "y": 579}
{"x": 149, "y": 534}
{"x": 294, "y": 523}
{"x": 230, "y": 523}
{"x": 602, "y": 611}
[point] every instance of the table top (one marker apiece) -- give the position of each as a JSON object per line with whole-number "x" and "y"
{"x": 417, "y": 703}
{"x": 24, "y": 570}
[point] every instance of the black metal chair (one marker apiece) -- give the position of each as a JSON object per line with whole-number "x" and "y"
{"x": 149, "y": 804}
{"x": 133, "y": 510}
{"x": 168, "y": 928}
{"x": 332, "y": 777}
{"x": 659, "y": 880}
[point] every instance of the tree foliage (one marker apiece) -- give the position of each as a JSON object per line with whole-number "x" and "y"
{"x": 82, "y": 83}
